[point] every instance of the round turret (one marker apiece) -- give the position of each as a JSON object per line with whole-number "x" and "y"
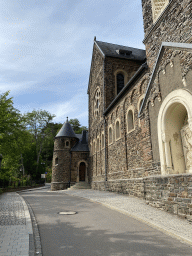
{"x": 64, "y": 141}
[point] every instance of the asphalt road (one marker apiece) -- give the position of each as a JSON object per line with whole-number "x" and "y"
{"x": 95, "y": 229}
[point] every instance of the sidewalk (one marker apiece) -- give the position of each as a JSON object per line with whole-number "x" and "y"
{"x": 138, "y": 209}
{"x": 16, "y": 234}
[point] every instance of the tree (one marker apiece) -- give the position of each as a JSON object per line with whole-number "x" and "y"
{"x": 36, "y": 123}
{"x": 11, "y": 131}
{"x": 77, "y": 126}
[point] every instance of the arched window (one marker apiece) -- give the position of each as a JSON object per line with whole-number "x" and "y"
{"x": 67, "y": 143}
{"x": 96, "y": 104}
{"x": 56, "y": 161}
{"x": 97, "y": 144}
{"x": 139, "y": 106}
{"x": 102, "y": 141}
{"x": 120, "y": 82}
{"x": 110, "y": 135}
{"x": 158, "y": 7}
{"x": 130, "y": 120}
{"x": 117, "y": 130}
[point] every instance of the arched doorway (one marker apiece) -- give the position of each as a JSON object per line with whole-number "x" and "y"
{"x": 175, "y": 133}
{"x": 82, "y": 171}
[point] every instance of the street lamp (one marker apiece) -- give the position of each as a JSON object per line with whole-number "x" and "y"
{"x": 1, "y": 157}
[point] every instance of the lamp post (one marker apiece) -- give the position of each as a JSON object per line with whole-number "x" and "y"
{"x": 1, "y": 157}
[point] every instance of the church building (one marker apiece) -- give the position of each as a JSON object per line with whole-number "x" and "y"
{"x": 140, "y": 111}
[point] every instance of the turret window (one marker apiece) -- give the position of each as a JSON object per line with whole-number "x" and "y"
{"x": 56, "y": 161}
{"x": 67, "y": 143}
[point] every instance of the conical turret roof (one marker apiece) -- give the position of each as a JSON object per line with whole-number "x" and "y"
{"x": 66, "y": 131}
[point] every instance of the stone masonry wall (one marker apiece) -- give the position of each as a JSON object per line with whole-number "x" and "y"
{"x": 61, "y": 171}
{"x": 171, "y": 193}
{"x": 173, "y": 26}
{"x": 76, "y": 159}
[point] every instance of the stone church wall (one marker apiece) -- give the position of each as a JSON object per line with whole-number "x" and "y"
{"x": 76, "y": 158}
{"x": 174, "y": 26}
{"x": 172, "y": 193}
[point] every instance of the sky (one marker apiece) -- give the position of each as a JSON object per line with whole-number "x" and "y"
{"x": 46, "y": 49}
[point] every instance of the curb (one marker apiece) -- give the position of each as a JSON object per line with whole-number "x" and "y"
{"x": 36, "y": 236}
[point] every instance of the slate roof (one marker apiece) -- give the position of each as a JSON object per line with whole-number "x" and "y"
{"x": 112, "y": 50}
{"x": 82, "y": 144}
{"x": 66, "y": 131}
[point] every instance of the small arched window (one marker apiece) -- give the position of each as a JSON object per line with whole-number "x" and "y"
{"x": 110, "y": 135}
{"x": 97, "y": 144}
{"x": 117, "y": 130}
{"x": 120, "y": 82}
{"x": 130, "y": 120}
{"x": 67, "y": 143}
{"x": 56, "y": 161}
{"x": 102, "y": 141}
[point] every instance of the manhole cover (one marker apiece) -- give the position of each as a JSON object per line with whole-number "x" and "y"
{"x": 67, "y": 213}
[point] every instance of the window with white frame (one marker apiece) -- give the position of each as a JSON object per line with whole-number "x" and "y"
{"x": 117, "y": 130}
{"x": 110, "y": 135}
{"x": 97, "y": 144}
{"x": 102, "y": 141}
{"x": 130, "y": 120}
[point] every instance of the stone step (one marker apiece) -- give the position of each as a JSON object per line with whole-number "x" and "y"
{"x": 80, "y": 185}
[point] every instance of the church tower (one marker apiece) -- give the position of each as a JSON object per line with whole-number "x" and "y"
{"x": 165, "y": 21}
{"x": 61, "y": 169}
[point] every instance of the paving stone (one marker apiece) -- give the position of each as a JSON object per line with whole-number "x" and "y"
{"x": 15, "y": 225}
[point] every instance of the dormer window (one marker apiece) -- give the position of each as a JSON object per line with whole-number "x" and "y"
{"x": 158, "y": 7}
{"x": 123, "y": 52}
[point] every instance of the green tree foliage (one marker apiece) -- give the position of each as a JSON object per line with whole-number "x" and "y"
{"x": 27, "y": 141}
{"x": 77, "y": 126}
{"x": 14, "y": 138}
{"x": 37, "y": 123}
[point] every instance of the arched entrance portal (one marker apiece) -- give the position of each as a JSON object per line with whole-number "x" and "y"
{"x": 175, "y": 133}
{"x": 82, "y": 171}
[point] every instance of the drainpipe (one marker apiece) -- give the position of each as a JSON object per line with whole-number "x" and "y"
{"x": 70, "y": 170}
{"x": 125, "y": 136}
{"x": 104, "y": 121}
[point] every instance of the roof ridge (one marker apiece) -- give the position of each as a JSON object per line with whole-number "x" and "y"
{"x": 120, "y": 45}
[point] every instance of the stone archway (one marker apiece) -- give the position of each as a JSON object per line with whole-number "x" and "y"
{"x": 175, "y": 132}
